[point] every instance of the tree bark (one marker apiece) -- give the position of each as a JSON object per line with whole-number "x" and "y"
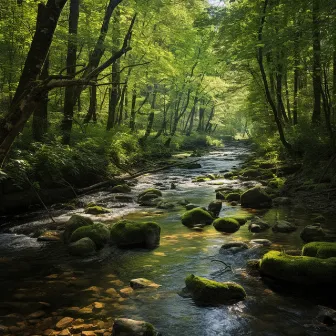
{"x": 69, "y": 100}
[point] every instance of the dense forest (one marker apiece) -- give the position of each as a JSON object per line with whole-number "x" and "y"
{"x": 122, "y": 119}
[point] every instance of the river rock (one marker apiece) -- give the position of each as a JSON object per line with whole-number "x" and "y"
{"x": 220, "y": 195}
{"x": 128, "y": 327}
{"x": 215, "y": 208}
{"x": 227, "y": 225}
{"x": 252, "y": 267}
{"x": 143, "y": 283}
{"x": 284, "y": 227}
{"x": 233, "y": 247}
{"x": 263, "y": 242}
{"x": 75, "y": 222}
{"x": 255, "y": 198}
{"x": 313, "y": 233}
{"x": 322, "y": 250}
{"x": 209, "y": 292}
{"x": 280, "y": 201}
{"x": 64, "y": 323}
{"x": 165, "y": 205}
{"x": 233, "y": 197}
{"x": 258, "y": 225}
{"x": 96, "y": 210}
{"x": 98, "y": 233}
{"x": 196, "y": 216}
{"x": 82, "y": 248}
{"x": 128, "y": 234}
{"x": 50, "y": 236}
{"x": 327, "y": 316}
{"x": 121, "y": 188}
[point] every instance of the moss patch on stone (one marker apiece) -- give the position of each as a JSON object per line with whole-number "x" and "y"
{"x": 196, "y": 216}
{"x": 98, "y": 233}
{"x": 154, "y": 191}
{"x": 121, "y": 188}
{"x": 232, "y": 197}
{"x": 300, "y": 270}
{"x": 82, "y": 248}
{"x": 227, "y": 225}
{"x": 96, "y": 210}
{"x": 209, "y": 292}
{"x": 241, "y": 219}
{"x": 75, "y": 222}
{"x": 132, "y": 234}
{"x": 319, "y": 250}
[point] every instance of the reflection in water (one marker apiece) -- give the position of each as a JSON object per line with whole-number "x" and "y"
{"x": 75, "y": 287}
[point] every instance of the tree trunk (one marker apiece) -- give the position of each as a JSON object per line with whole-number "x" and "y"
{"x": 114, "y": 97}
{"x": 21, "y": 109}
{"x": 40, "y": 116}
{"x": 212, "y": 114}
{"x": 92, "y": 112}
{"x": 317, "y": 79}
{"x": 69, "y": 100}
{"x": 133, "y": 112}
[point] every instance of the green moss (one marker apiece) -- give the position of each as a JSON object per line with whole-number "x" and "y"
{"x": 83, "y": 247}
{"x": 276, "y": 183}
{"x": 300, "y": 270}
{"x": 196, "y": 216}
{"x": 227, "y": 225}
{"x": 205, "y": 291}
{"x": 150, "y": 191}
{"x": 96, "y": 210}
{"x": 232, "y": 197}
{"x": 201, "y": 179}
{"x": 319, "y": 250}
{"x": 241, "y": 219}
{"x": 98, "y": 233}
{"x": 75, "y": 222}
{"x": 131, "y": 234}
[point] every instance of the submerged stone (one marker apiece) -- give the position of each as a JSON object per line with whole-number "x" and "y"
{"x": 300, "y": 270}
{"x": 258, "y": 225}
{"x": 131, "y": 234}
{"x": 227, "y": 225}
{"x": 284, "y": 227}
{"x": 196, "y": 216}
{"x": 143, "y": 283}
{"x": 319, "y": 250}
{"x": 209, "y": 292}
{"x": 234, "y": 247}
{"x": 128, "y": 327}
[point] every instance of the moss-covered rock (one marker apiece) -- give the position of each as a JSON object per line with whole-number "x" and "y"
{"x": 251, "y": 172}
{"x": 128, "y": 327}
{"x": 98, "y": 233}
{"x": 209, "y": 292}
{"x": 121, "y": 188}
{"x": 255, "y": 198}
{"x": 165, "y": 205}
{"x": 75, "y": 222}
{"x": 201, "y": 179}
{"x": 220, "y": 195}
{"x": 231, "y": 197}
{"x": 82, "y": 248}
{"x": 228, "y": 175}
{"x": 276, "y": 183}
{"x": 150, "y": 197}
{"x": 258, "y": 225}
{"x": 300, "y": 270}
{"x": 151, "y": 191}
{"x": 319, "y": 250}
{"x": 241, "y": 219}
{"x": 96, "y": 210}
{"x": 215, "y": 208}
{"x": 313, "y": 233}
{"x": 128, "y": 234}
{"x": 227, "y": 225}
{"x": 196, "y": 216}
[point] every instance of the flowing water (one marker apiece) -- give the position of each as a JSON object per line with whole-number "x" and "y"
{"x": 70, "y": 285}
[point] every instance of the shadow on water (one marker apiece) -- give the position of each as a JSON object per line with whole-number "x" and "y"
{"x": 33, "y": 271}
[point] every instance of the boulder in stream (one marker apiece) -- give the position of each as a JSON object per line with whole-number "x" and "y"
{"x": 150, "y": 197}
{"x": 233, "y": 197}
{"x": 210, "y": 292}
{"x": 215, "y": 208}
{"x": 96, "y": 210}
{"x": 258, "y": 225}
{"x": 75, "y": 222}
{"x": 313, "y": 233}
{"x": 82, "y": 248}
{"x": 128, "y": 327}
{"x": 299, "y": 270}
{"x": 121, "y": 188}
{"x": 227, "y": 225}
{"x": 128, "y": 234}
{"x": 196, "y": 216}
{"x": 98, "y": 233}
{"x": 284, "y": 227}
{"x": 319, "y": 250}
{"x": 255, "y": 198}
{"x": 143, "y": 283}
{"x": 233, "y": 247}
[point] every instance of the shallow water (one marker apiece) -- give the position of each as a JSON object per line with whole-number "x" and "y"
{"x": 49, "y": 274}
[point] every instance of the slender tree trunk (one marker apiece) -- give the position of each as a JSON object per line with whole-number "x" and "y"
{"x": 317, "y": 78}
{"x": 281, "y": 107}
{"x": 296, "y": 74}
{"x": 40, "y": 116}
{"x": 150, "y": 118}
{"x": 133, "y": 112}
{"x": 191, "y": 117}
{"x": 211, "y": 116}
{"x": 92, "y": 112}
{"x": 70, "y": 100}
{"x": 114, "y": 97}
{"x": 22, "y": 106}
{"x": 289, "y": 111}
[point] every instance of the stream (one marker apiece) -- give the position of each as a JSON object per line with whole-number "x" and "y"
{"x": 33, "y": 272}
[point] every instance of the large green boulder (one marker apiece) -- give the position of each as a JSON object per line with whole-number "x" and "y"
{"x": 227, "y": 225}
{"x": 255, "y": 198}
{"x": 319, "y": 250}
{"x": 209, "y": 292}
{"x": 82, "y": 248}
{"x": 299, "y": 270}
{"x": 196, "y": 216}
{"x": 128, "y": 234}
{"x": 98, "y": 233}
{"x": 75, "y": 222}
